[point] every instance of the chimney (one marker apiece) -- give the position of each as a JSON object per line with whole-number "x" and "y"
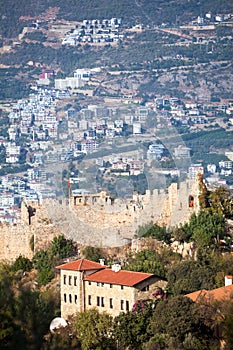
{"x": 228, "y": 280}
{"x": 116, "y": 267}
{"x": 101, "y": 262}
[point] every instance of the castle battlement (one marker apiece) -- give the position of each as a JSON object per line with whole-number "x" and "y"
{"x": 96, "y": 218}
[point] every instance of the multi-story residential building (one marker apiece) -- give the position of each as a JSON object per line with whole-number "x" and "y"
{"x": 72, "y": 82}
{"x": 12, "y": 153}
{"x": 211, "y": 168}
{"x": 6, "y": 199}
{"x": 182, "y": 152}
{"x": 86, "y": 284}
{"x": 137, "y": 128}
{"x": 87, "y": 146}
{"x": 227, "y": 164}
{"x": 83, "y": 74}
{"x": 119, "y": 166}
{"x": 155, "y": 151}
{"x": 12, "y": 158}
{"x": 136, "y": 167}
{"x": 195, "y": 169}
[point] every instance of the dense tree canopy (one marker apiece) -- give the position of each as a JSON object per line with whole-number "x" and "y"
{"x": 132, "y": 329}
{"x": 94, "y": 330}
{"x": 152, "y": 262}
{"x": 92, "y": 253}
{"x": 205, "y": 228}
{"x": 25, "y": 313}
{"x": 46, "y": 260}
{"x": 180, "y": 319}
{"x": 189, "y": 276}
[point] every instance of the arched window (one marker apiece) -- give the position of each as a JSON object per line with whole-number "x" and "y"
{"x": 191, "y": 201}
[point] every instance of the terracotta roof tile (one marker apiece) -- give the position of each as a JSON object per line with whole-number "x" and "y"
{"x": 104, "y": 274}
{"x": 81, "y": 265}
{"x": 222, "y": 293}
{"x": 122, "y": 277}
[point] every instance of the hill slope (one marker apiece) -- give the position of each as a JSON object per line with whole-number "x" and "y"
{"x": 146, "y": 11}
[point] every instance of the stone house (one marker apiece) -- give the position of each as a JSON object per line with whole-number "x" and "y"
{"x": 86, "y": 284}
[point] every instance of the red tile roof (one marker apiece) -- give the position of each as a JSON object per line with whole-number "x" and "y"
{"x": 122, "y": 277}
{"x": 81, "y": 265}
{"x": 222, "y": 293}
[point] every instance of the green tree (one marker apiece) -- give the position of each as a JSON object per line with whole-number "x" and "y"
{"x": 181, "y": 235}
{"x": 25, "y": 314}
{"x": 221, "y": 202}
{"x": 181, "y": 320}
{"x": 42, "y": 261}
{"x": 155, "y": 231}
{"x": 11, "y": 335}
{"x": 157, "y": 342}
{"x": 8, "y": 281}
{"x": 147, "y": 261}
{"x": 228, "y": 324}
{"x": 34, "y": 311}
{"x": 189, "y": 276}
{"x": 94, "y": 330}
{"x": 92, "y": 253}
{"x": 62, "y": 339}
{"x": 45, "y": 260}
{"x": 132, "y": 329}
{"x": 22, "y": 263}
{"x": 62, "y": 247}
{"x": 205, "y": 227}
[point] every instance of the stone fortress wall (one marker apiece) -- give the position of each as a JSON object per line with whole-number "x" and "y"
{"x": 96, "y": 219}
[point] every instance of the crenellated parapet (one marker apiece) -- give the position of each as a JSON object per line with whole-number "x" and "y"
{"x": 96, "y": 218}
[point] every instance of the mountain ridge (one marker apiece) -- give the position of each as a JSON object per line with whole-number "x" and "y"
{"x": 156, "y": 12}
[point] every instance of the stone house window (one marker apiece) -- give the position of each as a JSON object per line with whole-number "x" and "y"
{"x": 64, "y": 279}
{"x": 102, "y": 301}
{"x": 122, "y": 287}
{"x": 145, "y": 289}
{"x": 70, "y": 280}
{"x": 70, "y": 298}
{"x": 65, "y": 298}
{"x": 122, "y": 304}
{"x": 75, "y": 299}
{"x": 110, "y": 303}
{"x": 110, "y": 285}
{"x": 102, "y": 284}
{"x": 89, "y": 282}
{"x": 127, "y": 305}
{"x": 75, "y": 280}
{"x": 98, "y": 301}
{"x": 89, "y": 299}
{"x": 98, "y": 284}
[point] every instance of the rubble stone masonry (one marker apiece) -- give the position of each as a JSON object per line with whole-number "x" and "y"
{"x": 96, "y": 220}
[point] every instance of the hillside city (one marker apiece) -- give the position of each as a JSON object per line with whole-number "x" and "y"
{"x": 116, "y": 127}
{"x": 90, "y": 124}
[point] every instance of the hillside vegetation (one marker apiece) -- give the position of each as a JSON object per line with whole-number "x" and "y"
{"x": 146, "y": 11}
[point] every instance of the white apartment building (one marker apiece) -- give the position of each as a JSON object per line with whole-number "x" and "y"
{"x": 195, "y": 169}
{"x": 182, "y": 152}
